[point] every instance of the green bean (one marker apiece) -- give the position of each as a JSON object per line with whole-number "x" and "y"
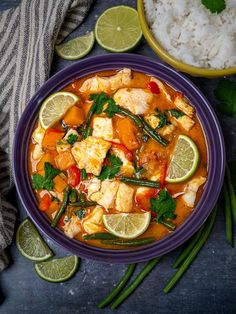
{"x": 84, "y": 175}
{"x": 187, "y": 262}
{"x": 154, "y": 135}
{"x": 83, "y": 204}
{"x": 73, "y": 196}
{"x": 167, "y": 224}
{"x": 87, "y": 132}
{"x": 231, "y": 194}
{"x": 140, "y": 182}
{"x": 118, "y": 287}
{"x": 134, "y": 242}
{"x": 100, "y": 236}
{"x": 228, "y": 217}
{"x": 124, "y": 112}
{"x": 135, "y": 283}
{"x": 62, "y": 207}
{"x": 186, "y": 251}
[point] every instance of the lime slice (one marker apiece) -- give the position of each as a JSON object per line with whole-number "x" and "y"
{"x": 76, "y": 48}
{"x": 30, "y": 243}
{"x": 55, "y": 106}
{"x": 184, "y": 161}
{"x": 118, "y": 29}
{"x": 58, "y": 269}
{"x": 127, "y": 226}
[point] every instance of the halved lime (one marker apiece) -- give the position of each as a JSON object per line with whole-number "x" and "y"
{"x": 127, "y": 225}
{"x": 55, "y": 106}
{"x": 118, "y": 29}
{"x": 184, "y": 161}
{"x": 76, "y": 48}
{"x": 58, "y": 269}
{"x": 30, "y": 243}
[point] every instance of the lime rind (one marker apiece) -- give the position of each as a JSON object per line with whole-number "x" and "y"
{"x": 76, "y": 48}
{"x": 180, "y": 164}
{"x": 30, "y": 243}
{"x": 123, "y": 225}
{"x": 133, "y": 31}
{"x": 55, "y": 106}
{"x": 58, "y": 270}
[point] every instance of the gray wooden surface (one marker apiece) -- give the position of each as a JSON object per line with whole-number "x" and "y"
{"x": 209, "y": 286}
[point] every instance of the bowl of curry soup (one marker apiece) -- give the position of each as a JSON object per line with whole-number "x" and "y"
{"x": 118, "y": 158}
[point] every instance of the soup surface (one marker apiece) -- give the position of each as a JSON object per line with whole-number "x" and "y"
{"x": 126, "y": 161}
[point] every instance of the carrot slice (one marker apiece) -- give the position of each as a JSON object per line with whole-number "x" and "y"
{"x": 60, "y": 184}
{"x": 126, "y": 131}
{"x": 51, "y": 137}
{"x": 48, "y": 157}
{"x": 64, "y": 160}
{"x": 45, "y": 202}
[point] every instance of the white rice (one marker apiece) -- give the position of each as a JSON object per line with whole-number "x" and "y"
{"x": 192, "y": 34}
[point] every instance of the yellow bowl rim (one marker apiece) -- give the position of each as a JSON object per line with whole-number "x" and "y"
{"x": 165, "y": 56}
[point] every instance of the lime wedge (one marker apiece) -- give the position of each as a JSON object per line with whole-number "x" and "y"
{"x": 76, "y": 48}
{"x": 30, "y": 243}
{"x": 184, "y": 161}
{"x": 118, "y": 29}
{"x": 55, "y": 106}
{"x": 58, "y": 269}
{"x": 127, "y": 226}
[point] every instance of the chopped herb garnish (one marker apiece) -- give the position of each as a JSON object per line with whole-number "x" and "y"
{"x": 72, "y": 138}
{"x": 163, "y": 120}
{"x": 80, "y": 213}
{"x": 80, "y": 128}
{"x": 176, "y": 113}
{"x": 225, "y": 92}
{"x": 112, "y": 108}
{"x": 39, "y": 182}
{"x": 109, "y": 171}
{"x": 84, "y": 175}
{"x": 215, "y": 6}
{"x": 99, "y": 101}
{"x": 163, "y": 205}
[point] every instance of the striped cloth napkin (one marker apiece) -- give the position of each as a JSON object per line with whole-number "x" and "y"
{"x": 28, "y": 34}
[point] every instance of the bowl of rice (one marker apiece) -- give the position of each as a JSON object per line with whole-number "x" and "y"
{"x": 189, "y": 37}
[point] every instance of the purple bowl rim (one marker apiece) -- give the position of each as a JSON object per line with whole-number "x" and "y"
{"x": 213, "y": 134}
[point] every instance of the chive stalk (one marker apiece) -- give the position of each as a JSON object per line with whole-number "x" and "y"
{"x": 231, "y": 194}
{"x": 140, "y": 182}
{"x": 228, "y": 216}
{"x": 133, "y": 242}
{"x": 62, "y": 208}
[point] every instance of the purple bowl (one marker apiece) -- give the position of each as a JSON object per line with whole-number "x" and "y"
{"x": 210, "y": 124}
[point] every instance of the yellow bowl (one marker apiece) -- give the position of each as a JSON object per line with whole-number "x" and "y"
{"x": 165, "y": 56}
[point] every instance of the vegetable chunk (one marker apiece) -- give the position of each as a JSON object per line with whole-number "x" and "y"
{"x": 90, "y": 154}
{"x": 98, "y": 84}
{"x": 137, "y": 100}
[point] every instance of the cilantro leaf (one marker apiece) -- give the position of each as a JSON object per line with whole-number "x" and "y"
{"x": 215, "y": 6}
{"x": 225, "y": 92}
{"x": 162, "y": 120}
{"x": 163, "y": 205}
{"x": 72, "y": 138}
{"x": 176, "y": 113}
{"x": 109, "y": 171}
{"x": 112, "y": 108}
{"x": 39, "y": 182}
{"x": 99, "y": 101}
{"x": 80, "y": 213}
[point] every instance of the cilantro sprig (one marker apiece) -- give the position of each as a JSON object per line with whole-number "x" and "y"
{"x": 225, "y": 92}
{"x": 163, "y": 205}
{"x": 176, "y": 113}
{"x": 39, "y": 182}
{"x": 72, "y": 138}
{"x": 163, "y": 120}
{"x": 99, "y": 100}
{"x": 215, "y": 6}
{"x": 112, "y": 169}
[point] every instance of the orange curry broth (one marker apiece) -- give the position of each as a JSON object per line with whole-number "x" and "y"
{"x": 139, "y": 80}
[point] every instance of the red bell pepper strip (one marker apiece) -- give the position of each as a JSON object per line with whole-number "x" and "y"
{"x": 154, "y": 88}
{"x": 128, "y": 154}
{"x": 45, "y": 202}
{"x": 163, "y": 175}
{"x": 73, "y": 176}
{"x": 143, "y": 200}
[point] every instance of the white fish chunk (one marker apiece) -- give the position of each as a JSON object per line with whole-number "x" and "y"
{"x": 186, "y": 122}
{"x": 137, "y": 100}
{"x": 37, "y": 137}
{"x": 124, "y": 198}
{"x": 127, "y": 167}
{"x": 161, "y": 87}
{"x": 37, "y": 152}
{"x": 167, "y": 129}
{"x": 90, "y": 154}
{"x": 72, "y": 227}
{"x": 93, "y": 222}
{"x": 62, "y": 145}
{"x": 98, "y": 84}
{"x": 182, "y": 105}
{"x": 191, "y": 189}
{"x": 103, "y": 128}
